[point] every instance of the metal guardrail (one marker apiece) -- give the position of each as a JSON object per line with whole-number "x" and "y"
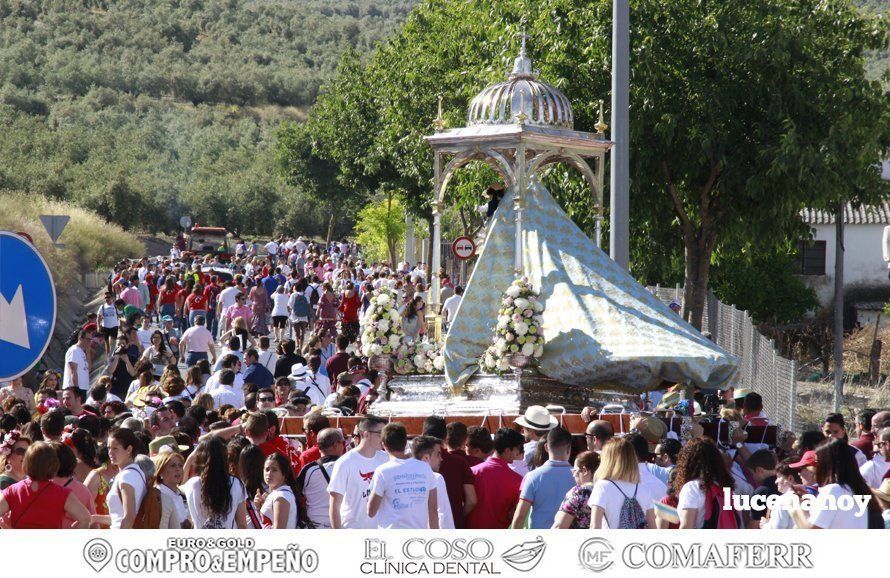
{"x": 761, "y": 367}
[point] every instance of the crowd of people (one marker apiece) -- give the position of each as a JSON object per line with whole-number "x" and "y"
{"x": 168, "y": 413}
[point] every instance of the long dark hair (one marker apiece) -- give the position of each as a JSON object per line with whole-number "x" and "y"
{"x": 284, "y": 466}
{"x": 411, "y": 312}
{"x": 701, "y": 460}
{"x": 86, "y": 446}
{"x": 836, "y": 464}
{"x": 216, "y": 492}
{"x": 163, "y": 346}
{"x": 250, "y": 467}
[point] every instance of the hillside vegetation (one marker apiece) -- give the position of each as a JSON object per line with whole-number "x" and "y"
{"x": 89, "y": 242}
{"x": 146, "y": 110}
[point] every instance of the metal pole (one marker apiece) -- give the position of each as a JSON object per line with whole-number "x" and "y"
{"x": 619, "y": 214}
{"x": 839, "y": 306}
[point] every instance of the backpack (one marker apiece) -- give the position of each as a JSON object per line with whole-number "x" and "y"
{"x": 632, "y": 516}
{"x": 148, "y": 517}
{"x": 715, "y": 516}
{"x": 315, "y": 297}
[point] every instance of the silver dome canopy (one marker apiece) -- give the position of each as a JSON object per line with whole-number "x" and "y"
{"x": 521, "y": 99}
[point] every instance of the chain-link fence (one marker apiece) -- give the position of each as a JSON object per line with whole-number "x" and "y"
{"x": 761, "y": 368}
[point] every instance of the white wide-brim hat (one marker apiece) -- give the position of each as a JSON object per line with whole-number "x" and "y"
{"x": 297, "y": 371}
{"x": 538, "y": 418}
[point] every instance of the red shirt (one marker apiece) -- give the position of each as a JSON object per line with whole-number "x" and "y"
{"x": 349, "y": 307}
{"x": 197, "y": 302}
{"x": 168, "y": 297}
{"x": 309, "y": 456}
{"x": 41, "y": 509}
{"x": 457, "y": 473}
{"x": 282, "y": 446}
{"x": 497, "y": 493}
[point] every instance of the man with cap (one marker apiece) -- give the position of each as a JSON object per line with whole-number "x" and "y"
{"x": 171, "y": 334}
{"x": 806, "y": 467}
{"x": 313, "y": 385}
{"x": 535, "y": 423}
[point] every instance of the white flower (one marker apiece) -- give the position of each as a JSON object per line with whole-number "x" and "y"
{"x": 394, "y": 315}
{"x": 489, "y": 360}
{"x": 394, "y": 340}
{"x": 509, "y": 336}
{"x": 501, "y": 345}
{"x": 520, "y": 328}
{"x": 383, "y": 299}
{"x": 538, "y": 306}
{"x": 521, "y": 303}
{"x": 502, "y": 364}
{"x": 419, "y": 360}
{"x": 528, "y": 349}
{"x": 383, "y": 325}
{"x": 513, "y": 291}
{"x": 376, "y": 349}
{"x": 539, "y": 351}
{"x": 439, "y": 362}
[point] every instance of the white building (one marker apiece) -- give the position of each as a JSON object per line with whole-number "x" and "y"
{"x": 866, "y": 282}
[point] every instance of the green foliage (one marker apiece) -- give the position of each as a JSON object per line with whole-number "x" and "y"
{"x": 90, "y": 242}
{"x": 742, "y": 113}
{"x": 381, "y": 229}
{"x": 147, "y": 110}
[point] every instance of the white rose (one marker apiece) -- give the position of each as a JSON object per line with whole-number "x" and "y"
{"x": 383, "y": 299}
{"x": 376, "y": 349}
{"x": 394, "y": 340}
{"x": 513, "y": 291}
{"x": 502, "y": 364}
{"x": 439, "y": 362}
{"x": 419, "y": 360}
{"x": 539, "y": 351}
{"x": 520, "y": 328}
{"x": 521, "y": 303}
{"x": 489, "y": 360}
{"x": 501, "y": 345}
{"x": 383, "y": 325}
{"x": 394, "y": 315}
{"x": 528, "y": 349}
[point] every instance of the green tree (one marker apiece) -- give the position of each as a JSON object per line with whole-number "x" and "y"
{"x": 742, "y": 113}
{"x": 381, "y": 228}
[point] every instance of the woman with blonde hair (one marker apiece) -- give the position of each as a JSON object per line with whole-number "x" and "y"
{"x": 169, "y": 465}
{"x": 204, "y": 400}
{"x": 618, "y": 498}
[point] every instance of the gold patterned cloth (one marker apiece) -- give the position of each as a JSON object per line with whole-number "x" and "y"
{"x": 600, "y": 325}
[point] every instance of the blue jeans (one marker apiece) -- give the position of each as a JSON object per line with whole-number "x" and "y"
{"x": 193, "y": 314}
{"x": 193, "y": 357}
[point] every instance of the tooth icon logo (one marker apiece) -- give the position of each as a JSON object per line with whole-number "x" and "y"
{"x": 524, "y": 557}
{"x": 14, "y": 328}
{"x": 27, "y": 305}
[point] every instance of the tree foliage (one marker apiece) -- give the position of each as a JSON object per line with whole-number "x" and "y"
{"x": 381, "y": 229}
{"x": 741, "y": 113}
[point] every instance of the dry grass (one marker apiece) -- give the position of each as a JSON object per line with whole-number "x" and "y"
{"x": 815, "y": 400}
{"x": 90, "y": 242}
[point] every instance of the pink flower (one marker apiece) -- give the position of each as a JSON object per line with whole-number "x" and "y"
{"x": 528, "y": 312}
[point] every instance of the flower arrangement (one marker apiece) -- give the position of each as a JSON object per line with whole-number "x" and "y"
{"x": 419, "y": 357}
{"x": 382, "y": 333}
{"x": 519, "y": 329}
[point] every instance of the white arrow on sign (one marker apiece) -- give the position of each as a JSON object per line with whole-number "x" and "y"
{"x": 14, "y": 326}
{"x": 54, "y": 225}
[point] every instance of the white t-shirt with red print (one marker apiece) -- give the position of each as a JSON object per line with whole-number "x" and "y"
{"x": 351, "y": 477}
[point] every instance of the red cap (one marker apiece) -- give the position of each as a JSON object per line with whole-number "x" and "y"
{"x": 90, "y": 327}
{"x": 808, "y": 459}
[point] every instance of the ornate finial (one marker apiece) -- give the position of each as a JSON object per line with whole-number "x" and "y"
{"x": 524, "y": 37}
{"x": 601, "y": 126}
{"x": 439, "y": 122}
{"x": 520, "y": 116}
{"x": 522, "y": 65}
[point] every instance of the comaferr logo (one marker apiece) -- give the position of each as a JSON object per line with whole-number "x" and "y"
{"x": 596, "y": 554}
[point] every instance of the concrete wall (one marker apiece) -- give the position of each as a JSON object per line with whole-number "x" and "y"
{"x": 864, "y": 265}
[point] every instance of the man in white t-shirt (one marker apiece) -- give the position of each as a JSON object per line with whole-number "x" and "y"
{"x": 314, "y": 477}
{"x": 108, "y": 321}
{"x": 77, "y": 365}
{"x": 350, "y": 484}
{"x": 227, "y": 393}
{"x": 403, "y": 490}
{"x": 272, "y": 249}
{"x": 875, "y": 469}
{"x": 224, "y": 300}
{"x": 449, "y": 308}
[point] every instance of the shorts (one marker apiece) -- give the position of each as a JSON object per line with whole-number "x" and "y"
{"x": 279, "y": 321}
{"x": 109, "y": 332}
{"x": 298, "y": 320}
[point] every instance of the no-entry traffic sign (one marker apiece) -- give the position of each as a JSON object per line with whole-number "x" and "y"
{"x": 463, "y": 247}
{"x": 27, "y": 306}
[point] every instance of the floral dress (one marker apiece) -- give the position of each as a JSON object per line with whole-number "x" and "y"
{"x": 259, "y": 323}
{"x": 575, "y": 504}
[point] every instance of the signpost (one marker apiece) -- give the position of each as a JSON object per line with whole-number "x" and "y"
{"x": 27, "y": 306}
{"x": 463, "y": 248}
{"x": 54, "y": 225}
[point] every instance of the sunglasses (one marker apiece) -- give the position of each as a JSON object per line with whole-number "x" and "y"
{"x": 267, "y": 398}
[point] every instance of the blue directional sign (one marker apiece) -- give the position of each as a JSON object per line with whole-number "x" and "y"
{"x": 27, "y": 305}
